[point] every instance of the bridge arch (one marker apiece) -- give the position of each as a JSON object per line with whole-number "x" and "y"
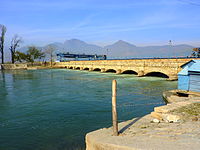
{"x": 77, "y": 68}
{"x": 111, "y": 70}
{"x": 157, "y": 74}
{"x": 96, "y": 69}
{"x": 70, "y": 67}
{"x": 86, "y": 68}
{"x": 129, "y": 72}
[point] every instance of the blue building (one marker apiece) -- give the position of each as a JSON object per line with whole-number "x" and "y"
{"x": 189, "y": 77}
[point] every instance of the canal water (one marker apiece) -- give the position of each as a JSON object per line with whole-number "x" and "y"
{"x": 54, "y": 109}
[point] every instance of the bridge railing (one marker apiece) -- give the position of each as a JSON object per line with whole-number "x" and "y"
{"x": 179, "y": 57}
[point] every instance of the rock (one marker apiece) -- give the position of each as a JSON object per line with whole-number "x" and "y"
{"x": 172, "y": 118}
{"x": 165, "y": 109}
{"x": 157, "y": 116}
{"x": 156, "y": 121}
{"x": 194, "y": 118}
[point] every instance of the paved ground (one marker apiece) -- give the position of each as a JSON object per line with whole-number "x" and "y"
{"x": 144, "y": 134}
{"x": 141, "y": 134}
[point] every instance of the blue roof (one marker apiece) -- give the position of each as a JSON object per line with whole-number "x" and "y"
{"x": 184, "y": 71}
{"x": 197, "y": 61}
{"x": 187, "y": 63}
{"x": 193, "y": 65}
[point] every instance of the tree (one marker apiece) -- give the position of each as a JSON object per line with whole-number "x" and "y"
{"x": 16, "y": 40}
{"x": 20, "y": 57}
{"x": 2, "y": 38}
{"x": 49, "y": 51}
{"x": 33, "y": 53}
{"x": 196, "y": 52}
{"x": 30, "y": 56}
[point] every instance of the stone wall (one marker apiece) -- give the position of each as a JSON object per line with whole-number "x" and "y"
{"x": 13, "y": 66}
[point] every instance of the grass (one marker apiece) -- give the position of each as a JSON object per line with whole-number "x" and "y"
{"x": 187, "y": 112}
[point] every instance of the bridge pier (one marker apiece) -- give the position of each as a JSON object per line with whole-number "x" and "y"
{"x": 173, "y": 77}
{"x": 74, "y": 68}
{"x": 103, "y": 70}
{"x": 140, "y": 73}
{"x": 81, "y": 68}
{"x": 90, "y": 69}
{"x": 119, "y": 71}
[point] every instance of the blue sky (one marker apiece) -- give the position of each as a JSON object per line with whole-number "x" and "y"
{"x": 141, "y": 22}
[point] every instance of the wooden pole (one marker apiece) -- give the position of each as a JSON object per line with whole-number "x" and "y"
{"x": 114, "y": 108}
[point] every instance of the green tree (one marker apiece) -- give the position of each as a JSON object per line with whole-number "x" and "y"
{"x": 196, "y": 52}
{"x": 2, "y": 39}
{"x": 33, "y": 53}
{"x": 30, "y": 56}
{"x": 20, "y": 57}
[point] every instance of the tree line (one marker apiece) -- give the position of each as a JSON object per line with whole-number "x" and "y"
{"x": 30, "y": 55}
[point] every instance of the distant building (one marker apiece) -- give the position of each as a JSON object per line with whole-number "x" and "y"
{"x": 189, "y": 77}
{"x": 67, "y": 56}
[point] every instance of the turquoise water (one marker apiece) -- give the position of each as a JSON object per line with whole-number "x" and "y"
{"x": 54, "y": 109}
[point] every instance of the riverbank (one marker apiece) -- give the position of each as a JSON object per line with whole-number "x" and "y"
{"x": 176, "y": 128}
{"x": 31, "y": 66}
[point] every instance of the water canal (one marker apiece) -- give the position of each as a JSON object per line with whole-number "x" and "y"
{"x": 54, "y": 109}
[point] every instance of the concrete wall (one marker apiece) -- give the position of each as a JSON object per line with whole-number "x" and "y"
{"x": 142, "y": 67}
{"x": 183, "y": 82}
{"x": 13, "y": 66}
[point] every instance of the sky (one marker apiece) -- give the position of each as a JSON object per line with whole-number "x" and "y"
{"x": 102, "y": 22}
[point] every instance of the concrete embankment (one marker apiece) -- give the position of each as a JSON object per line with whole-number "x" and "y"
{"x": 155, "y": 133}
{"x": 13, "y": 66}
{"x": 32, "y": 66}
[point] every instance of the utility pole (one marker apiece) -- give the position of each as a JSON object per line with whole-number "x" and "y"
{"x": 171, "y": 47}
{"x": 170, "y": 42}
{"x": 107, "y": 52}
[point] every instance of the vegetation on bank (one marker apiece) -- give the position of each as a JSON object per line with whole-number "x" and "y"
{"x": 188, "y": 112}
{"x": 31, "y": 55}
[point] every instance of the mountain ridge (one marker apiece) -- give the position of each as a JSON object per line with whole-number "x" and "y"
{"x": 120, "y": 49}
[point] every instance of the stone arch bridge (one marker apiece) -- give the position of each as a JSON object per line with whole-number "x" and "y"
{"x": 168, "y": 68}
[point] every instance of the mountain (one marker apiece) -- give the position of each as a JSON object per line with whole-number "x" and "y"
{"x": 57, "y": 45}
{"x": 167, "y": 50}
{"x": 124, "y": 49}
{"x": 119, "y": 49}
{"x": 78, "y": 46}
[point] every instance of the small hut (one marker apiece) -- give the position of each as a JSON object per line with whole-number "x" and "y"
{"x": 189, "y": 77}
